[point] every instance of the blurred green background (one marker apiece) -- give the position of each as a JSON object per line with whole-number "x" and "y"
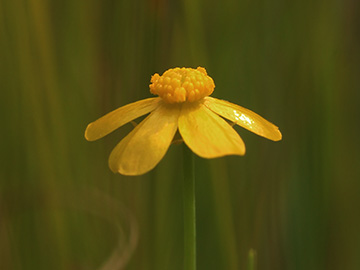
{"x": 64, "y": 64}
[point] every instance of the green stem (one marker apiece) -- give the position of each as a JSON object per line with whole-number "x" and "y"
{"x": 252, "y": 260}
{"x": 189, "y": 210}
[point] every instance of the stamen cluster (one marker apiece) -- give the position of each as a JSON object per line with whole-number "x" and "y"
{"x": 182, "y": 84}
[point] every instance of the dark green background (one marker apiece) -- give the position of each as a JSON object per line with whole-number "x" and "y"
{"x": 65, "y": 63}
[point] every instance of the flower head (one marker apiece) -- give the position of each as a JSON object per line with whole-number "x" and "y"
{"x": 183, "y": 104}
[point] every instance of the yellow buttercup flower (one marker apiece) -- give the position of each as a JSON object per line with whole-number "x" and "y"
{"x": 183, "y": 104}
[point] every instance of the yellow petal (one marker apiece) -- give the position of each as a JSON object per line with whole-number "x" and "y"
{"x": 244, "y": 118}
{"x": 143, "y": 148}
{"x": 207, "y": 134}
{"x": 115, "y": 119}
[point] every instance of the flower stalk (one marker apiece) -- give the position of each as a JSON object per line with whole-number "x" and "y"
{"x": 189, "y": 210}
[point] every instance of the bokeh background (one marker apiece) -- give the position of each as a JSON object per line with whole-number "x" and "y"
{"x": 65, "y": 63}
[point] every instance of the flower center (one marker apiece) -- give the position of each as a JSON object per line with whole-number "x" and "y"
{"x": 178, "y": 85}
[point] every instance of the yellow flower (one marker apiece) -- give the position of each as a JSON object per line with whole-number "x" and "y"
{"x": 183, "y": 104}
